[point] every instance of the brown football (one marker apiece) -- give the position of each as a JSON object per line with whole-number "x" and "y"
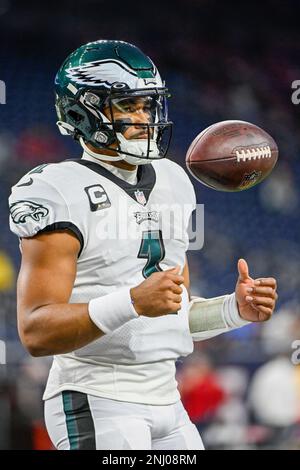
{"x": 232, "y": 155}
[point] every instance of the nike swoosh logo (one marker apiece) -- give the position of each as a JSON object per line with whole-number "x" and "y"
{"x": 25, "y": 184}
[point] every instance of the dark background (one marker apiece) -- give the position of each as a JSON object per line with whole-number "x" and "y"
{"x": 221, "y": 60}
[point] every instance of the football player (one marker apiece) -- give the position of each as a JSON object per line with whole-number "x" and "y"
{"x": 104, "y": 281}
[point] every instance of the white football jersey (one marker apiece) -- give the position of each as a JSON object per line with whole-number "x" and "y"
{"x": 126, "y": 233}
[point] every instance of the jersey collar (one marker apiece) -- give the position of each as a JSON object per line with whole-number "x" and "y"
{"x": 140, "y": 192}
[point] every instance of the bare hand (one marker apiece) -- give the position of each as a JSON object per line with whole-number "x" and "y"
{"x": 159, "y": 294}
{"x": 256, "y": 298}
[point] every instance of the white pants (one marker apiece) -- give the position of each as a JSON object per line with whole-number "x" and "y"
{"x": 75, "y": 420}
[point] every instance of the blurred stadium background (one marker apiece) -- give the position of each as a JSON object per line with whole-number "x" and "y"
{"x": 221, "y": 60}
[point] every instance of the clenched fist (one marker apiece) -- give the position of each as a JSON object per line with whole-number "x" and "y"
{"x": 159, "y": 294}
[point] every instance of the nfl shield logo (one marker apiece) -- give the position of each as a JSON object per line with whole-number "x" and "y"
{"x": 140, "y": 197}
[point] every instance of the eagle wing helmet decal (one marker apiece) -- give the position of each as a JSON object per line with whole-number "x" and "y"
{"x": 20, "y": 210}
{"x": 97, "y": 73}
{"x": 105, "y": 73}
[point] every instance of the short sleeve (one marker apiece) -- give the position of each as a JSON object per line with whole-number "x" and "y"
{"x": 39, "y": 207}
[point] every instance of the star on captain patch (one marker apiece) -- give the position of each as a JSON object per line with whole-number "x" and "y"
{"x": 140, "y": 197}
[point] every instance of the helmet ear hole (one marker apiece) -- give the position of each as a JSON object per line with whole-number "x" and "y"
{"x": 76, "y": 117}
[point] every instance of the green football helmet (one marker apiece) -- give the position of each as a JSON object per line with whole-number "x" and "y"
{"x": 96, "y": 85}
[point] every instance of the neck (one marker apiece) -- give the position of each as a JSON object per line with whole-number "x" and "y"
{"x": 122, "y": 164}
{"x": 118, "y": 163}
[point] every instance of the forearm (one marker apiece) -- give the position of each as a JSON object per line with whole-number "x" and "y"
{"x": 211, "y": 317}
{"x": 57, "y": 329}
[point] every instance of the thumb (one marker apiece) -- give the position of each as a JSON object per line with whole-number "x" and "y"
{"x": 175, "y": 269}
{"x": 243, "y": 270}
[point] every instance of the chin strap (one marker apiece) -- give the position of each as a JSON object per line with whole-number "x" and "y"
{"x": 109, "y": 158}
{"x": 138, "y": 147}
{"x": 90, "y": 152}
{"x": 135, "y": 146}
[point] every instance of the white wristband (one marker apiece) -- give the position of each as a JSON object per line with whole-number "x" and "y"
{"x": 231, "y": 312}
{"x": 111, "y": 311}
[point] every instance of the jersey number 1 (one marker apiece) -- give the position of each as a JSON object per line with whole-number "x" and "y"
{"x": 152, "y": 248}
